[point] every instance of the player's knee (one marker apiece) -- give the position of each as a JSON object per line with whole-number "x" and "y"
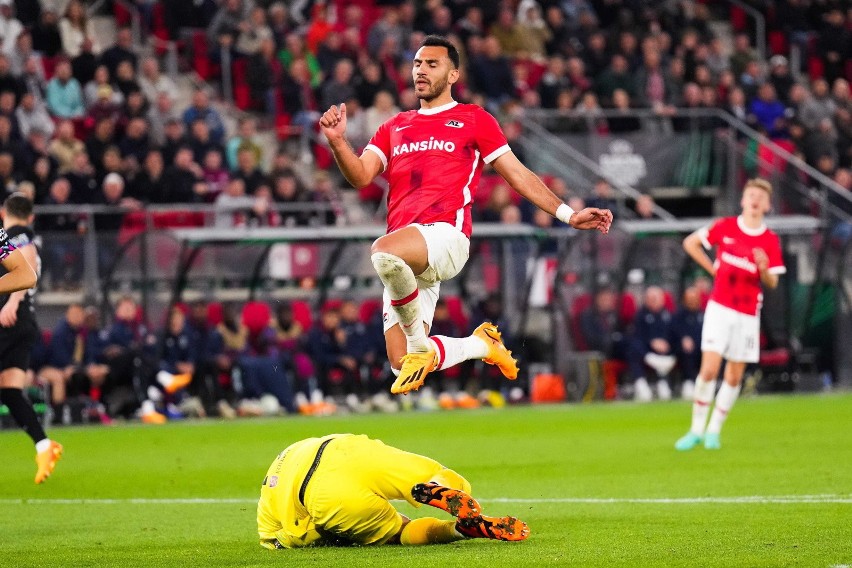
{"x": 387, "y": 265}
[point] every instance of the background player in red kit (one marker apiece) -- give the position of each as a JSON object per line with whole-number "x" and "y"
{"x": 747, "y": 255}
{"x": 433, "y": 158}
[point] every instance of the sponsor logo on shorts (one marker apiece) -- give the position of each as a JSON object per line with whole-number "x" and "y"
{"x": 385, "y": 317}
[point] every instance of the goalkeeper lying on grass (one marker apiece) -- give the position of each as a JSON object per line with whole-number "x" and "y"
{"x": 337, "y": 490}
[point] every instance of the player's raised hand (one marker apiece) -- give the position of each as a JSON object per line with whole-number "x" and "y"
{"x": 333, "y": 122}
{"x": 592, "y": 218}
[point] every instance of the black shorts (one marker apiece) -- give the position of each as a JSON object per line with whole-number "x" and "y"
{"x": 16, "y": 345}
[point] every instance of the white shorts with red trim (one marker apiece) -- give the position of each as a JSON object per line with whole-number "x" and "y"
{"x": 732, "y": 334}
{"x": 448, "y": 250}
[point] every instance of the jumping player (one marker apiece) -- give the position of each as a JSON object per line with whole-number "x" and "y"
{"x": 337, "y": 490}
{"x": 747, "y": 255}
{"x": 18, "y": 329}
{"x": 433, "y": 158}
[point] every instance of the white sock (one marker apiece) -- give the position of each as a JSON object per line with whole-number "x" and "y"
{"x": 401, "y": 285}
{"x": 42, "y": 445}
{"x": 701, "y": 404}
{"x": 724, "y": 402}
{"x": 454, "y": 350}
{"x": 147, "y": 407}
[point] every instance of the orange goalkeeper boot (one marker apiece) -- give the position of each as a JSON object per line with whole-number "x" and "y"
{"x": 455, "y": 502}
{"x": 505, "y": 528}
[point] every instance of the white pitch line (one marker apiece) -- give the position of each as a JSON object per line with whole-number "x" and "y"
{"x": 748, "y": 499}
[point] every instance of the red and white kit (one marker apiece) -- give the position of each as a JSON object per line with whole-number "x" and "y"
{"x": 433, "y": 160}
{"x": 732, "y": 319}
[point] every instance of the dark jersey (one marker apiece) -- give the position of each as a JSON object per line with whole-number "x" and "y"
{"x": 19, "y": 237}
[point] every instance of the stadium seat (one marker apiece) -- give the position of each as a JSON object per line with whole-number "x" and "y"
{"x": 214, "y": 313}
{"x": 778, "y": 43}
{"x": 242, "y": 93}
{"x": 368, "y": 309}
{"x": 332, "y": 304}
{"x": 302, "y": 313}
{"x": 457, "y": 312}
{"x": 256, "y": 317}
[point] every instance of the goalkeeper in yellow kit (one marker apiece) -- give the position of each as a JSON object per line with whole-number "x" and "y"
{"x": 337, "y": 490}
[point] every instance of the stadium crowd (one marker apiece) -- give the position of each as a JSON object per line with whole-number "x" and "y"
{"x": 86, "y": 119}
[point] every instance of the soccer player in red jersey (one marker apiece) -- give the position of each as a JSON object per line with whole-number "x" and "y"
{"x": 748, "y": 255}
{"x": 433, "y": 158}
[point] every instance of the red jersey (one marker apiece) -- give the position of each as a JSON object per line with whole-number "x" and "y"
{"x": 737, "y": 283}
{"x": 433, "y": 159}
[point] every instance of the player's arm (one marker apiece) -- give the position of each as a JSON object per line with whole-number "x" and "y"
{"x": 21, "y": 274}
{"x": 358, "y": 170}
{"x": 530, "y": 186}
{"x": 769, "y": 279}
{"x": 694, "y": 247}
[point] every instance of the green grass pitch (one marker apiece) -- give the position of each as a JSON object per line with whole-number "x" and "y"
{"x": 599, "y": 485}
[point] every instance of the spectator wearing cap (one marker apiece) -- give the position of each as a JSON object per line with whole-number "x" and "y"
{"x": 64, "y": 95}
{"x": 91, "y": 90}
{"x": 104, "y": 106}
{"x": 31, "y": 113}
{"x": 779, "y": 76}
{"x": 10, "y": 27}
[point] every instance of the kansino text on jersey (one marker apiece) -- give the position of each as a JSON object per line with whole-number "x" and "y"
{"x": 423, "y": 145}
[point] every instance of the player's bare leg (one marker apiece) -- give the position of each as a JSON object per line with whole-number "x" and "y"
{"x": 705, "y": 388}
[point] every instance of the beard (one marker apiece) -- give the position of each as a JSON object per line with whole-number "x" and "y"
{"x": 436, "y": 89}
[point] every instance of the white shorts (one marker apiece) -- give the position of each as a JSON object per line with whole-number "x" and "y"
{"x": 732, "y": 334}
{"x": 448, "y": 251}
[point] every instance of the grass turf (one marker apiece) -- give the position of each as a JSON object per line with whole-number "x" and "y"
{"x": 772, "y": 446}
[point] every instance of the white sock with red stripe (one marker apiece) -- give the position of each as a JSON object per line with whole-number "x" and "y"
{"x": 401, "y": 285}
{"x": 704, "y": 391}
{"x": 454, "y": 350}
{"x": 725, "y": 400}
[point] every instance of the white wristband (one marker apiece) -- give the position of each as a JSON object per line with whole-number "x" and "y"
{"x": 564, "y": 212}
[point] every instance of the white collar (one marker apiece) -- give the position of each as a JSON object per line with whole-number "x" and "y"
{"x": 748, "y": 230}
{"x": 437, "y": 109}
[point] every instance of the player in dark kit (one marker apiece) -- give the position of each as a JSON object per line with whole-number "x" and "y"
{"x": 433, "y": 159}
{"x": 18, "y": 329}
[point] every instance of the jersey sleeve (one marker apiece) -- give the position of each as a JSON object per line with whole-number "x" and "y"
{"x": 490, "y": 139}
{"x": 6, "y": 246}
{"x": 380, "y": 144}
{"x": 776, "y": 257}
{"x": 712, "y": 234}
